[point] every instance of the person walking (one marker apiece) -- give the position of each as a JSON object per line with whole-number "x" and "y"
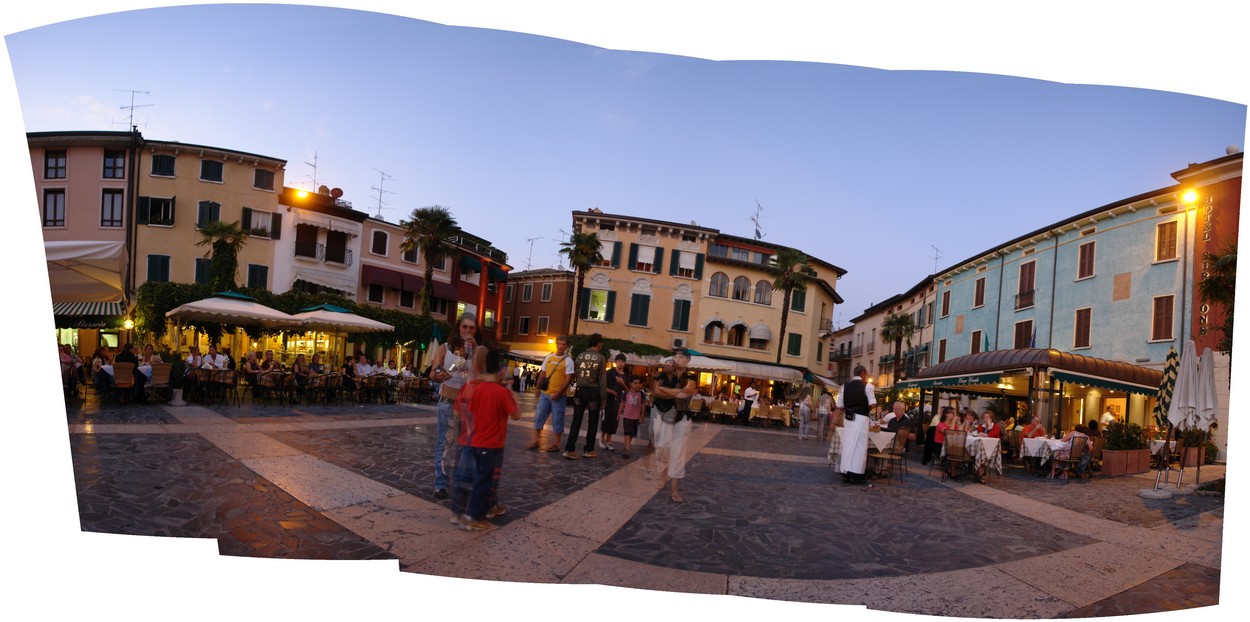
{"x": 590, "y": 371}
{"x": 805, "y": 415}
{"x": 855, "y": 400}
{"x": 553, "y": 380}
{"x": 824, "y": 407}
{"x": 451, "y": 371}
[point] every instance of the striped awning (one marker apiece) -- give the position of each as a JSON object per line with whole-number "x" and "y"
{"x": 80, "y": 309}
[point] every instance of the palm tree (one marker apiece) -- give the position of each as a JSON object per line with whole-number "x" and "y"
{"x": 225, "y": 240}
{"x": 583, "y": 251}
{"x": 896, "y": 328}
{"x": 1219, "y": 286}
{"x": 791, "y": 270}
{"x": 427, "y": 233}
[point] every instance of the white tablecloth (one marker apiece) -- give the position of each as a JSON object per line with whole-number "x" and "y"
{"x": 986, "y": 451}
{"x": 1155, "y": 445}
{"x": 877, "y": 440}
{"x": 1040, "y": 448}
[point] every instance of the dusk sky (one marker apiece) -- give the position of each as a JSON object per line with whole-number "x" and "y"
{"x": 879, "y": 146}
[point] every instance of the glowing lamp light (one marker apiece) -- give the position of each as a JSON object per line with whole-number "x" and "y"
{"x": 302, "y": 194}
{"x": 128, "y": 324}
{"x": 1190, "y": 197}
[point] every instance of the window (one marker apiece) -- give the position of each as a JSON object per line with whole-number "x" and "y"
{"x": 261, "y": 224}
{"x": 209, "y": 211}
{"x": 946, "y": 303}
{"x": 306, "y": 240}
{"x": 1024, "y": 335}
{"x": 645, "y": 258}
{"x": 978, "y": 297}
{"x": 763, "y": 293}
{"x": 336, "y": 248}
{"x": 941, "y": 350}
{"x": 794, "y": 344}
{"x": 54, "y": 208}
{"x": 158, "y": 267}
{"x": 720, "y": 285}
{"x": 257, "y": 276}
{"x": 155, "y": 211}
{"x": 111, "y": 208}
{"x": 523, "y": 325}
{"x": 54, "y": 165}
{"x": 820, "y": 347}
{"x": 409, "y": 255}
{"x": 542, "y": 324}
{"x": 611, "y": 253}
{"x": 1165, "y": 241}
{"x": 976, "y": 342}
{"x": 527, "y": 292}
{"x": 737, "y": 335}
{"x": 741, "y": 254}
{"x": 378, "y": 245}
{"x": 114, "y": 164}
{"x": 545, "y": 296}
{"x": 713, "y": 332}
{"x": 798, "y": 300}
{"x": 262, "y": 179}
{"x": 639, "y": 306}
{"x": 376, "y": 293}
{"x": 507, "y": 293}
{"x": 742, "y": 288}
{"x": 505, "y": 325}
{"x": 407, "y": 299}
{"x": 872, "y": 341}
{"x": 163, "y": 165}
{"x": 1161, "y": 318}
{"x": 681, "y": 315}
{"x": 757, "y": 344}
{"x": 598, "y": 305}
{"x": 202, "y": 265}
{"x": 1080, "y": 337}
{"x": 211, "y": 170}
{"x": 686, "y": 264}
{"x": 1085, "y": 261}
{"x": 1025, "y": 287}
{"x": 488, "y": 319}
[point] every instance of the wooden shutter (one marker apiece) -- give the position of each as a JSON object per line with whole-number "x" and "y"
{"x": 247, "y": 220}
{"x": 145, "y": 208}
{"x": 611, "y": 310}
{"x": 583, "y": 305}
{"x": 276, "y": 226}
{"x": 673, "y": 261}
{"x": 616, "y": 254}
{"x": 698, "y": 266}
{"x": 659, "y": 260}
{"x": 633, "y": 256}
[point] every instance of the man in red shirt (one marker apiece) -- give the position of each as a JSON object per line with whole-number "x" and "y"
{"x": 489, "y": 406}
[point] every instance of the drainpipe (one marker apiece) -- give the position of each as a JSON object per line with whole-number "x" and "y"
{"x": 1054, "y": 271}
{"x": 998, "y": 312}
{"x": 132, "y": 186}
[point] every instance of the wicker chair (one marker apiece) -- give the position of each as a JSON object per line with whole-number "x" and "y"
{"x": 123, "y": 380}
{"x": 1095, "y": 460}
{"x": 1072, "y": 460}
{"x": 159, "y": 381}
{"x": 333, "y": 389}
{"x": 893, "y": 456}
{"x": 957, "y": 458}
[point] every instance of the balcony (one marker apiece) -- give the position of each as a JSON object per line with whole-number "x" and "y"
{"x": 826, "y": 325}
{"x": 857, "y": 350}
{"x": 1024, "y": 299}
{"x": 312, "y": 250}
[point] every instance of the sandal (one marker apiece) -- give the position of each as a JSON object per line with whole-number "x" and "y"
{"x": 676, "y": 498}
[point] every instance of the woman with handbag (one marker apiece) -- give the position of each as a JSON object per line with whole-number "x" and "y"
{"x": 669, "y": 425}
{"x": 451, "y": 363}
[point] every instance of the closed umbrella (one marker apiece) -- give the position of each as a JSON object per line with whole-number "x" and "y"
{"x": 1208, "y": 407}
{"x": 1182, "y": 412}
{"x": 1167, "y": 385}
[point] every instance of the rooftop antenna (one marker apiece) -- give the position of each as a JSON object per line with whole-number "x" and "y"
{"x": 937, "y": 252}
{"x": 756, "y": 220}
{"x": 313, "y": 164}
{"x": 531, "y": 255}
{"x": 380, "y": 191}
{"x": 130, "y": 121}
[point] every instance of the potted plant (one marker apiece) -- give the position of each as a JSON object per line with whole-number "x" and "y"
{"x": 1125, "y": 450}
{"x": 1194, "y": 441}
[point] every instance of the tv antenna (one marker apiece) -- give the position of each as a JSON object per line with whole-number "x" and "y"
{"x": 380, "y": 191}
{"x": 531, "y": 255}
{"x": 130, "y": 121}
{"x": 756, "y": 220}
{"x": 313, "y": 164}
{"x": 937, "y": 253}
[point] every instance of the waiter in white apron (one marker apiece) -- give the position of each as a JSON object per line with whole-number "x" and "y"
{"x": 856, "y": 397}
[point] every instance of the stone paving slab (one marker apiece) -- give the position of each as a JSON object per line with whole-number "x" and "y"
{"x": 319, "y": 484}
{"x": 604, "y": 570}
{"x": 1184, "y": 587}
{"x": 1088, "y": 574}
{"x": 248, "y": 445}
{"x": 516, "y": 552}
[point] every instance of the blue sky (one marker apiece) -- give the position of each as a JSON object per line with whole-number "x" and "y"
{"x": 864, "y": 163}
{"x": 864, "y": 168}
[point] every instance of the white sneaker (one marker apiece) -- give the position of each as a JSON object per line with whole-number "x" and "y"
{"x": 609, "y": 447}
{"x": 600, "y": 442}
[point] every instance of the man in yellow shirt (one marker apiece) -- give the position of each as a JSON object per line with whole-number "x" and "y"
{"x": 553, "y": 380}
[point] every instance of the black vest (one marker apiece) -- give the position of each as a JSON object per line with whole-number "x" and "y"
{"x": 854, "y": 398}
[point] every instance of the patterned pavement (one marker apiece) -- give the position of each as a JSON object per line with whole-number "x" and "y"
{"x": 764, "y": 515}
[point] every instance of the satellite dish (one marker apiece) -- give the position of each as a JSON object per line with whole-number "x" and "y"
{"x": 337, "y": 193}
{"x": 323, "y": 189}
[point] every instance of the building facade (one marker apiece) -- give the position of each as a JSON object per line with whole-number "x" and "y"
{"x": 318, "y": 247}
{"x": 537, "y": 307}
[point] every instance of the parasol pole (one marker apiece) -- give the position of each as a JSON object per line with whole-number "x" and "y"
{"x": 1165, "y": 464}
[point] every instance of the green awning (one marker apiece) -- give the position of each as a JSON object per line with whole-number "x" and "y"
{"x": 1103, "y": 383}
{"x": 498, "y": 275}
{"x": 951, "y": 381}
{"x": 470, "y": 263}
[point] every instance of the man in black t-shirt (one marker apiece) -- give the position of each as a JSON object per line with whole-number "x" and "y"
{"x": 589, "y": 369}
{"x": 617, "y": 386}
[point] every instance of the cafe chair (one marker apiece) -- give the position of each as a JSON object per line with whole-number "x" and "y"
{"x": 893, "y": 457}
{"x": 267, "y": 384}
{"x": 957, "y": 458}
{"x": 333, "y": 389}
{"x": 123, "y": 380}
{"x": 1095, "y": 458}
{"x": 225, "y": 384}
{"x": 315, "y": 388}
{"x": 159, "y": 382}
{"x": 1072, "y": 461}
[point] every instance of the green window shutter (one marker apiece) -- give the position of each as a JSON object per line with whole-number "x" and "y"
{"x": 277, "y": 226}
{"x": 659, "y": 260}
{"x": 673, "y": 262}
{"x": 611, "y": 310}
{"x": 616, "y": 254}
{"x": 583, "y": 305}
{"x": 698, "y": 266}
{"x": 145, "y": 207}
{"x": 633, "y": 256}
{"x": 681, "y": 315}
{"x": 645, "y": 310}
{"x": 173, "y": 203}
{"x": 246, "y": 223}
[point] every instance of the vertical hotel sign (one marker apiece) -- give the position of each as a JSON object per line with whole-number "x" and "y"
{"x": 1216, "y": 227}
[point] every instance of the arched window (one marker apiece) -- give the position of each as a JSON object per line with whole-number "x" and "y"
{"x": 742, "y": 288}
{"x": 714, "y": 332}
{"x": 764, "y": 293}
{"x": 736, "y": 335}
{"x": 720, "y": 285}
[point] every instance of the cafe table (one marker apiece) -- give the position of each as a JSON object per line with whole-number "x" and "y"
{"x": 879, "y": 441}
{"x": 986, "y": 451}
{"x": 1156, "y": 445}
{"x": 1040, "y": 447}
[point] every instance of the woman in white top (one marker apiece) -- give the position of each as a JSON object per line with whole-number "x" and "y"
{"x": 451, "y": 370}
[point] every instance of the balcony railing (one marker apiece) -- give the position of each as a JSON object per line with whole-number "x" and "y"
{"x": 1024, "y": 299}
{"x": 857, "y": 350}
{"x": 826, "y": 324}
{"x": 312, "y": 250}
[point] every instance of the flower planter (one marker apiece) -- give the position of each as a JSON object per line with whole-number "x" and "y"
{"x": 1193, "y": 456}
{"x": 1125, "y": 462}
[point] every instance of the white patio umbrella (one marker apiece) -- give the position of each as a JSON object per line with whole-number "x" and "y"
{"x": 329, "y": 318}
{"x": 232, "y": 308}
{"x": 85, "y": 270}
{"x": 1208, "y": 406}
{"x": 1182, "y": 412}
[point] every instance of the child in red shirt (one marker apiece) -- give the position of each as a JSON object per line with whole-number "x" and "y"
{"x": 489, "y": 406}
